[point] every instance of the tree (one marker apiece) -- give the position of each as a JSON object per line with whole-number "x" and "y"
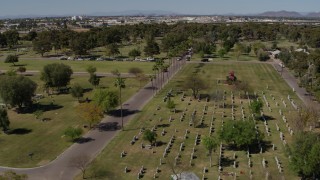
{"x": 256, "y": 106}
{"x": 138, "y": 73}
{"x": 11, "y": 175}
{"x": 152, "y": 48}
{"x": 134, "y": 53}
{"x": 21, "y": 69}
{"x": 76, "y": 91}
{"x": 170, "y": 104}
{"x": 238, "y": 50}
{"x": 11, "y": 59}
{"x": 42, "y": 43}
{"x": 56, "y": 75}
{"x": 73, "y": 133}
{"x": 80, "y": 162}
{"x": 241, "y": 134}
{"x": 262, "y": 55}
{"x": 90, "y": 113}
{"x": 38, "y": 114}
{"x": 120, "y": 83}
{"x": 17, "y": 90}
{"x": 222, "y": 52}
{"x": 106, "y": 100}
{"x": 12, "y": 37}
{"x": 150, "y": 136}
{"x": 195, "y": 83}
{"x": 91, "y": 69}
{"x": 210, "y": 144}
{"x": 112, "y": 49}
{"x": 94, "y": 80}
{"x": 4, "y": 119}
{"x": 305, "y": 155}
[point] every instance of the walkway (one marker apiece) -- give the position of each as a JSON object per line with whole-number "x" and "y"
{"x": 60, "y": 167}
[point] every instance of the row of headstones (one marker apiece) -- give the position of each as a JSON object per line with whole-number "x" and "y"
{"x": 169, "y": 93}
{"x": 267, "y": 103}
{"x": 142, "y": 171}
{"x": 265, "y": 124}
{"x": 278, "y": 164}
{"x": 290, "y": 130}
{"x": 293, "y": 103}
{"x": 211, "y": 129}
{"x": 168, "y": 147}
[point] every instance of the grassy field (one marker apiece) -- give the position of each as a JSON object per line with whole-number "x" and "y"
{"x": 80, "y": 66}
{"x": 45, "y": 139}
{"x": 259, "y": 77}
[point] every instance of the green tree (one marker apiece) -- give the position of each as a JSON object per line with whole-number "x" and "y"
{"x": 4, "y": 119}
{"x": 305, "y": 155}
{"x": 12, "y": 37}
{"x": 56, "y": 75}
{"x": 195, "y": 83}
{"x": 210, "y": 144}
{"x": 38, "y": 114}
{"x": 152, "y": 48}
{"x": 76, "y": 91}
{"x": 91, "y": 69}
{"x": 17, "y": 90}
{"x": 150, "y": 136}
{"x": 106, "y": 100}
{"x": 238, "y": 50}
{"x": 170, "y": 104}
{"x": 73, "y": 133}
{"x": 12, "y": 59}
{"x": 112, "y": 50}
{"x": 134, "y": 53}
{"x": 222, "y": 52}
{"x": 256, "y": 106}
{"x": 94, "y": 80}
{"x": 262, "y": 55}
{"x": 120, "y": 83}
{"x": 241, "y": 134}
{"x": 43, "y": 43}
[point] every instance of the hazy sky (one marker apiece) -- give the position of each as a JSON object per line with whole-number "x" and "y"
{"x": 79, "y": 7}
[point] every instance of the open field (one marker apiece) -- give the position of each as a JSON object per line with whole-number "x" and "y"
{"x": 80, "y": 66}
{"x": 261, "y": 77}
{"x": 45, "y": 139}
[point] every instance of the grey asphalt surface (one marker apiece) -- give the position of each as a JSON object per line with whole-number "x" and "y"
{"x": 60, "y": 169}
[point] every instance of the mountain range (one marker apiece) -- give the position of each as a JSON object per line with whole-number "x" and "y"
{"x": 282, "y": 13}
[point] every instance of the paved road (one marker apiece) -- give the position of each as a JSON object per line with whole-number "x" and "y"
{"x": 60, "y": 167}
{"x": 293, "y": 83}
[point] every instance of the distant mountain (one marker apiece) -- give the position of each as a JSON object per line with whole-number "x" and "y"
{"x": 281, "y": 14}
{"x": 313, "y": 14}
{"x": 134, "y": 13}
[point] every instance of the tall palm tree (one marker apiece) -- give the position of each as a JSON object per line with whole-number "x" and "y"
{"x": 120, "y": 83}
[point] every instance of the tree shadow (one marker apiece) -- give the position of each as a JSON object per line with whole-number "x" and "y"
{"x": 85, "y": 90}
{"x": 266, "y": 117}
{"x": 225, "y": 162}
{"x": 125, "y": 112}
{"x": 163, "y": 125}
{"x": 83, "y": 140}
{"x": 41, "y": 107}
{"x": 202, "y": 126}
{"x": 20, "y": 131}
{"x": 255, "y": 148}
{"x": 108, "y": 126}
{"x": 18, "y": 65}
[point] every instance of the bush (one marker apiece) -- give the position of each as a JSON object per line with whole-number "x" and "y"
{"x": 262, "y": 55}
{"x": 73, "y": 133}
{"x": 22, "y": 69}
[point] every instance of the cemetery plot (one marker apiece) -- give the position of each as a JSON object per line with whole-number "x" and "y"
{"x": 180, "y": 130}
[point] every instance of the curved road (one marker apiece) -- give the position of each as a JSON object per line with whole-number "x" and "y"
{"x": 60, "y": 167}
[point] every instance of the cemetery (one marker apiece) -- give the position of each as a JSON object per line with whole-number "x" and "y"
{"x": 180, "y": 130}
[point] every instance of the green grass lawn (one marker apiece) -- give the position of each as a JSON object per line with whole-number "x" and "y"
{"x": 45, "y": 139}
{"x": 80, "y": 66}
{"x": 259, "y": 77}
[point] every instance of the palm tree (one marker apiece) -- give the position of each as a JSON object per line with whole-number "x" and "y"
{"x": 152, "y": 77}
{"x": 120, "y": 82}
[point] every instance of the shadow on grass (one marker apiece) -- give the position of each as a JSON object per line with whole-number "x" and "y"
{"x": 267, "y": 118}
{"x": 163, "y": 125}
{"x": 20, "y": 131}
{"x": 225, "y": 162}
{"x": 41, "y": 107}
{"x": 125, "y": 112}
